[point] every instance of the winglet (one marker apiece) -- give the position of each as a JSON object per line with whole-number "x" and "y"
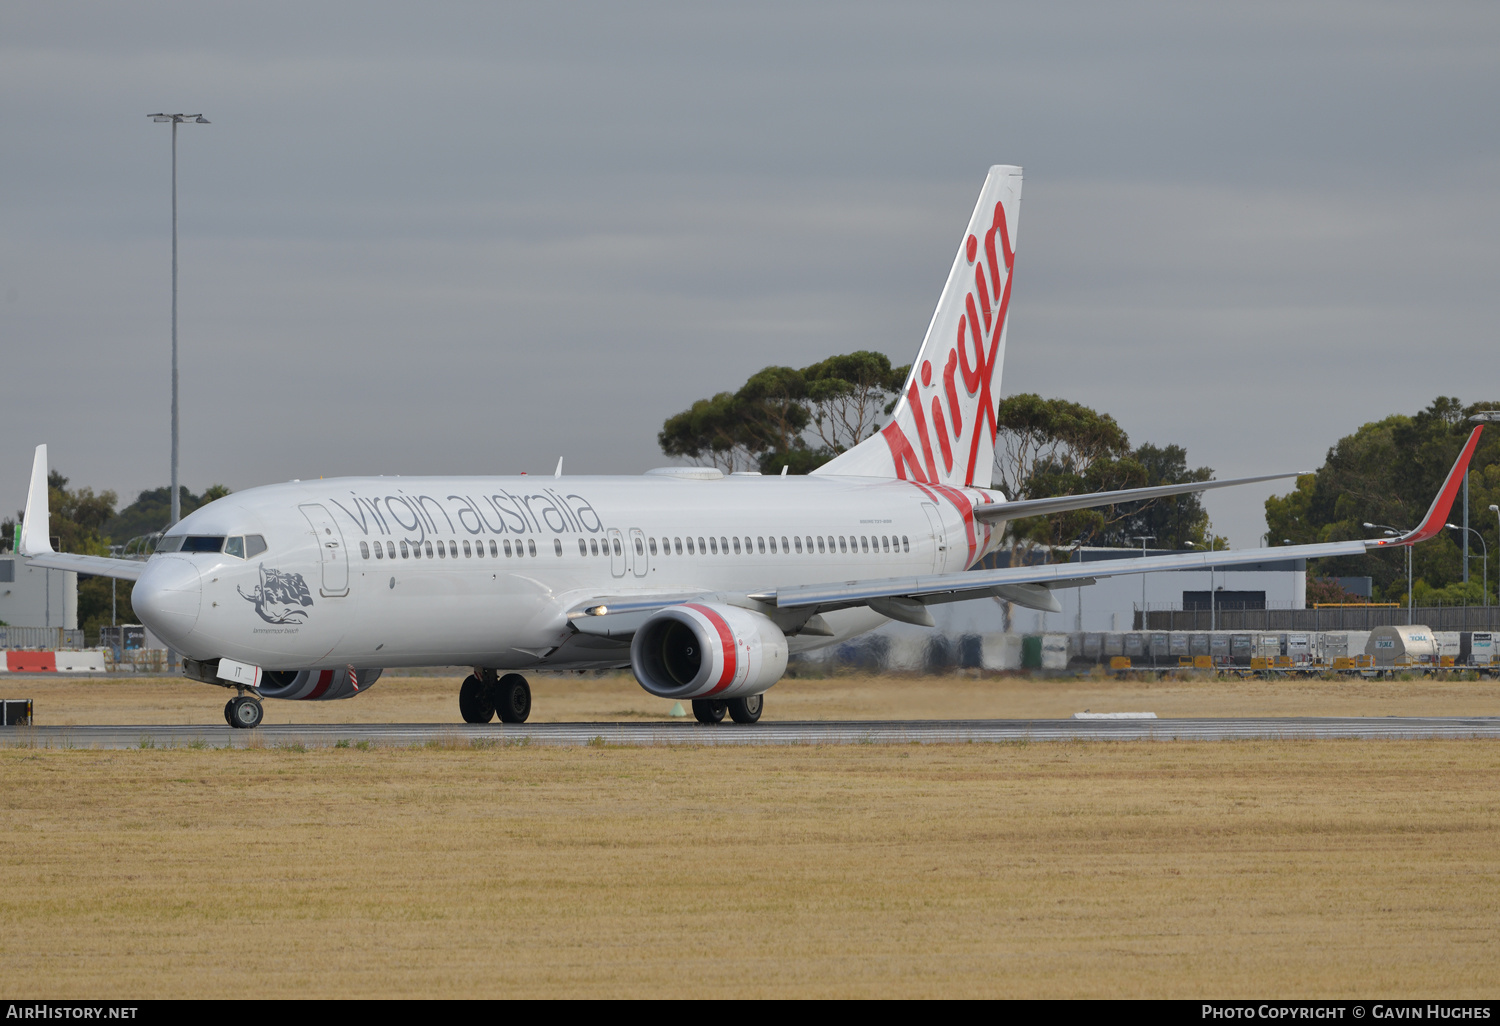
{"x": 34, "y": 538}
{"x": 1437, "y": 513}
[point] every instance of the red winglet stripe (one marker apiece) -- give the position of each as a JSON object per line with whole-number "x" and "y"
{"x": 1437, "y": 514}
{"x": 726, "y": 641}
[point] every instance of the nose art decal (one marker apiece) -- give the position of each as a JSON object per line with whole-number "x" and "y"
{"x": 279, "y": 597}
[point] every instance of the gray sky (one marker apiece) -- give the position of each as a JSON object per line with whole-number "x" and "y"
{"x": 470, "y": 238}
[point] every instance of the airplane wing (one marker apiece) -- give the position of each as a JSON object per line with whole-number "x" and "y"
{"x": 36, "y": 545}
{"x": 906, "y": 598}
{"x": 1062, "y": 503}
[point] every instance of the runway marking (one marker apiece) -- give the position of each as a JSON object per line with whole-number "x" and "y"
{"x": 844, "y": 732}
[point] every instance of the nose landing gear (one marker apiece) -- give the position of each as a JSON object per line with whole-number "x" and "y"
{"x": 481, "y": 696}
{"x": 244, "y": 712}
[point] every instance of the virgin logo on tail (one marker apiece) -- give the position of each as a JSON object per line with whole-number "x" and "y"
{"x": 943, "y": 431}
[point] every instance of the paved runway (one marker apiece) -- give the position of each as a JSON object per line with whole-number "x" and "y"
{"x": 387, "y": 735}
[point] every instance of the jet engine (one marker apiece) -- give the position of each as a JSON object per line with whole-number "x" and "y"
{"x": 707, "y": 650}
{"x": 315, "y": 685}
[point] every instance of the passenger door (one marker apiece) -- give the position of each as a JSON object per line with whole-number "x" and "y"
{"x": 939, "y": 538}
{"x": 616, "y": 553}
{"x": 331, "y": 553}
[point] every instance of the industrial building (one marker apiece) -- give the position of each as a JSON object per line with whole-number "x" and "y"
{"x": 34, "y": 597}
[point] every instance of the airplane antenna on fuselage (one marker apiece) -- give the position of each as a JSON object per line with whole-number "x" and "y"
{"x": 558, "y": 471}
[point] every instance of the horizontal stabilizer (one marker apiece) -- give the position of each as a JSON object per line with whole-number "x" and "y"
{"x": 1062, "y": 503}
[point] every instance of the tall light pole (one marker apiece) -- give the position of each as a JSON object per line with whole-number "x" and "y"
{"x": 1455, "y": 527}
{"x": 175, "y": 119}
{"x": 1212, "y": 604}
{"x": 1397, "y": 532}
{"x": 1143, "y": 539}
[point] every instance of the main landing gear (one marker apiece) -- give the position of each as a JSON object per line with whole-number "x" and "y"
{"x": 741, "y": 710}
{"x": 244, "y": 711}
{"x": 481, "y": 696}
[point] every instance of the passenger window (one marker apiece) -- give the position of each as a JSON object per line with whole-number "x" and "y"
{"x": 452, "y": 549}
{"x": 842, "y": 546}
{"x": 442, "y": 551}
{"x": 583, "y": 547}
{"x": 690, "y": 547}
{"x": 494, "y": 549}
{"x": 702, "y": 550}
{"x": 530, "y": 546}
{"x": 255, "y": 545}
{"x": 905, "y": 544}
{"x": 403, "y": 550}
{"x": 427, "y": 548}
{"x": 479, "y": 548}
{"x": 736, "y": 546}
{"x": 390, "y": 549}
{"x": 379, "y": 551}
{"x": 640, "y": 549}
{"x": 773, "y": 544}
{"x": 864, "y": 543}
{"x": 784, "y": 546}
{"x": 762, "y": 546}
{"x": 747, "y": 546}
{"x": 593, "y": 546}
{"x": 820, "y": 544}
{"x": 677, "y": 545}
{"x": 466, "y": 548}
{"x": 798, "y": 540}
{"x": 239, "y": 543}
{"x": 236, "y": 547}
{"x": 651, "y": 544}
{"x": 713, "y": 545}
{"x": 557, "y": 546}
{"x": 618, "y": 551}
{"x": 507, "y": 548}
{"x": 724, "y": 546}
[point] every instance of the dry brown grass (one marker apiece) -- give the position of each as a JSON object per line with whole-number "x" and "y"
{"x": 573, "y": 699}
{"x": 1124, "y": 869}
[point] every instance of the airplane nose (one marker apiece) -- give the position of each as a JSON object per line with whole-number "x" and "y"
{"x": 167, "y": 598}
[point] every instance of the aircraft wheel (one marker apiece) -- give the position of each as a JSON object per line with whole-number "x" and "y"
{"x": 474, "y": 702}
{"x": 245, "y": 712}
{"x": 710, "y": 711}
{"x": 746, "y": 710}
{"x": 229, "y": 712}
{"x": 511, "y": 695}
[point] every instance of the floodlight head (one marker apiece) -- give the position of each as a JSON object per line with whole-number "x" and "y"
{"x": 1495, "y": 509}
{"x": 203, "y": 120}
{"x": 160, "y": 117}
{"x": 1453, "y": 527}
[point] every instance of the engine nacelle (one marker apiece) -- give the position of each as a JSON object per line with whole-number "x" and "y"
{"x": 315, "y": 685}
{"x": 707, "y": 650}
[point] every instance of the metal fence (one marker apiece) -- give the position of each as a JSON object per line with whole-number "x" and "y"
{"x": 40, "y": 638}
{"x": 1345, "y": 618}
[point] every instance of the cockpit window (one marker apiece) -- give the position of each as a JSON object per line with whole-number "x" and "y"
{"x": 254, "y": 545}
{"x": 235, "y": 547}
{"x": 203, "y": 543}
{"x": 170, "y": 544}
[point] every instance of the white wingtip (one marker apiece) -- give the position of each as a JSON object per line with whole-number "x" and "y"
{"x": 35, "y": 540}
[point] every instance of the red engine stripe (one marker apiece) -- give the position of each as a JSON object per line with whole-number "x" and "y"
{"x": 325, "y": 678}
{"x": 726, "y": 640}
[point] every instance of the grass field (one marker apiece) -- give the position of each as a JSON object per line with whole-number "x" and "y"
{"x": 1127, "y": 869}
{"x": 1114, "y": 869}
{"x": 434, "y": 699}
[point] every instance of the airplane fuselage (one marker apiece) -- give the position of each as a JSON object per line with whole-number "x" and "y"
{"x": 484, "y": 571}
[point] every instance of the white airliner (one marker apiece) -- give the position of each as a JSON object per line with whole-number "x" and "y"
{"x": 702, "y": 584}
